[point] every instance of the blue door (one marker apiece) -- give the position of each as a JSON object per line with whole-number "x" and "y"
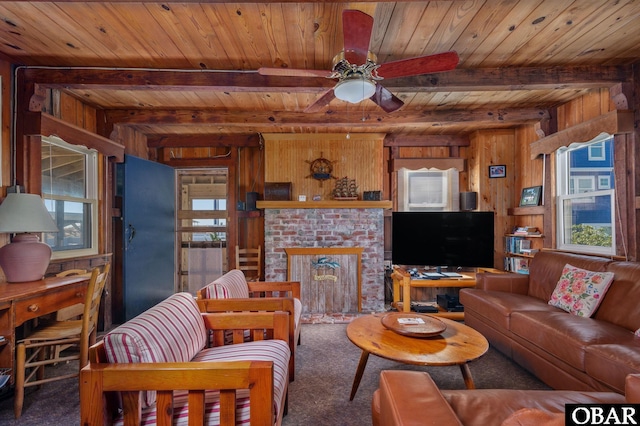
{"x": 148, "y": 191}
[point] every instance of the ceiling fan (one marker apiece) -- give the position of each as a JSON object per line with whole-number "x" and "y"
{"x": 359, "y": 74}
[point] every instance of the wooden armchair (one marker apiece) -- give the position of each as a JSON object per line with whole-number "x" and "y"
{"x": 216, "y": 387}
{"x": 232, "y": 293}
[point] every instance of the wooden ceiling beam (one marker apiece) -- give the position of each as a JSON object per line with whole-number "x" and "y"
{"x": 225, "y": 1}
{"x": 481, "y": 79}
{"x": 426, "y": 140}
{"x": 525, "y": 78}
{"x": 202, "y": 140}
{"x": 285, "y": 118}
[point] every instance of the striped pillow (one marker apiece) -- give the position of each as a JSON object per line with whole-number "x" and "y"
{"x": 215, "y": 291}
{"x": 233, "y": 284}
{"x": 171, "y": 331}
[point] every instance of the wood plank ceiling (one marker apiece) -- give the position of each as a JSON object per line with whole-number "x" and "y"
{"x": 188, "y": 68}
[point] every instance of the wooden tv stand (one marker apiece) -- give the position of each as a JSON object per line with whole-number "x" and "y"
{"x": 402, "y": 278}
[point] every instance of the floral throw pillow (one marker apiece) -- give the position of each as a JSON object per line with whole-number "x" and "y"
{"x": 580, "y": 291}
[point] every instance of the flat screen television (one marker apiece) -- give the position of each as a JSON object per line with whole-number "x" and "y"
{"x": 436, "y": 239}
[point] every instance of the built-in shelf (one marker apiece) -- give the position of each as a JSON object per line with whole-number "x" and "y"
{"x": 522, "y": 211}
{"x": 332, "y": 204}
{"x": 528, "y": 256}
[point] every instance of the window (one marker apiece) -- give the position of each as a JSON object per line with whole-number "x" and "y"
{"x": 604, "y": 182}
{"x": 425, "y": 190}
{"x": 211, "y": 204}
{"x": 586, "y": 197}
{"x": 69, "y": 190}
{"x": 596, "y": 151}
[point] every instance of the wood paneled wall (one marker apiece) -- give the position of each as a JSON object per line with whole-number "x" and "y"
{"x": 288, "y": 158}
{"x": 496, "y": 147}
{"x": 250, "y": 179}
{"x": 595, "y": 103}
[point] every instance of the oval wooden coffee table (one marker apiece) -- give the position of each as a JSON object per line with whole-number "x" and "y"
{"x": 456, "y": 345}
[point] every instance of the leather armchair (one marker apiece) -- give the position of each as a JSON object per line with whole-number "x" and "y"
{"x": 412, "y": 398}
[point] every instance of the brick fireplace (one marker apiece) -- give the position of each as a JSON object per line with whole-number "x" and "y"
{"x": 330, "y": 227}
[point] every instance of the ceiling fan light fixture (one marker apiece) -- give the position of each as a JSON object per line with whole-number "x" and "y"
{"x": 354, "y": 90}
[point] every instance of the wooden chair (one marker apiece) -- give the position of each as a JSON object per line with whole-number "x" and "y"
{"x": 233, "y": 293}
{"x": 249, "y": 261}
{"x": 31, "y": 351}
{"x": 70, "y": 312}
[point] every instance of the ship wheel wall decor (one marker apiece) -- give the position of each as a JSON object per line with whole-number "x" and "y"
{"x": 321, "y": 169}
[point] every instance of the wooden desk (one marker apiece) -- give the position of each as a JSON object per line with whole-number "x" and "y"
{"x": 20, "y": 302}
{"x": 401, "y": 278}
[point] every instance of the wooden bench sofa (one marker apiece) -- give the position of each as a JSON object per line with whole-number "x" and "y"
{"x": 233, "y": 293}
{"x": 174, "y": 364}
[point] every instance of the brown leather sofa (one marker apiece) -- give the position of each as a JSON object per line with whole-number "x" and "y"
{"x": 412, "y": 398}
{"x": 563, "y": 350}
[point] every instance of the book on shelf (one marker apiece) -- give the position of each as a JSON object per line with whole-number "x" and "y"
{"x": 522, "y": 266}
{"x": 517, "y": 245}
{"x": 516, "y": 264}
{"x": 526, "y": 230}
{"x": 530, "y": 251}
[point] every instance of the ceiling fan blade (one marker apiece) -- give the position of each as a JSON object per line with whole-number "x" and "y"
{"x": 357, "y": 28}
{"x": 421, "y": 65}
{"x": 321, "y": 102}
{"x": 385, "y": 99}
{"x": 293, "y": 72}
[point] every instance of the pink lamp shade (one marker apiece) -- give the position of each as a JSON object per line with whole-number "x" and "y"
{"x": 25, "y": 258}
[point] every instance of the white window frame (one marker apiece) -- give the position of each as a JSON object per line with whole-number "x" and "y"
{"x": 91, "y": 196}
{"x": 443, "y": 182}
{"x": 563, "y": 230}
{"x": 604, "y": 182}
{"x": 596, "y": 151}
{"x": 577, "y": 183}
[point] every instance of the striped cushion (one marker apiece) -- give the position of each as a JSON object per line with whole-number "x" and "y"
{"x": 216, "y": 291}
{"x": 233, "y": 284}
{"x": 171, "y": 331}
{"x": 297, "y": 312}
{"x": 266, "y": 350}
{"x": 261, "y": 350}
{"x": 212, "y": 410}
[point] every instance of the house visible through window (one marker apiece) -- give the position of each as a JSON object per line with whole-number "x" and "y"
{"x": 69, "y": 190}
{"x": 586, "y": 197}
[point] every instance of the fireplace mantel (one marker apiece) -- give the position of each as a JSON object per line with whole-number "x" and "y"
{"x": 332, "y": 204}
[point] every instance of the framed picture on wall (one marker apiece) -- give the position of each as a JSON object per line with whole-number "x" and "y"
{"x": 498, "y": 171}
{"x": 531, "y": 196}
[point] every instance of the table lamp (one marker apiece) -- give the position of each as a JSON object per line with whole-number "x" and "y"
{"x": 25, "y": 258}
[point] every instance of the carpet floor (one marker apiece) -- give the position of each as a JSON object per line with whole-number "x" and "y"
{"x": 325, "y": 366}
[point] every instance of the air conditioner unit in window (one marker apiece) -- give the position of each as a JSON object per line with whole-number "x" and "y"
{"x": 424, "y": 189}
